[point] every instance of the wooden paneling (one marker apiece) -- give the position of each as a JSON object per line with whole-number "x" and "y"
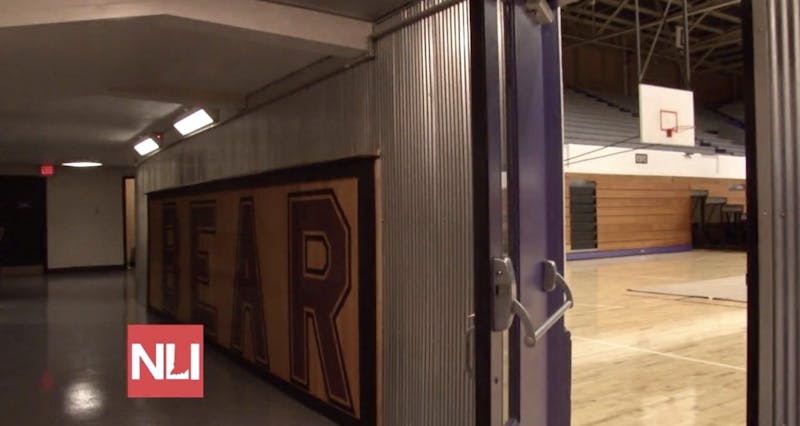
{"x": 281, "y": 271}
{"x": 637, "y": 212}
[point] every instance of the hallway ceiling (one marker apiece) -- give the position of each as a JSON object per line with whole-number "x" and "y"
{"x": 370, "y": 10}
{"x": 85, "y": 79}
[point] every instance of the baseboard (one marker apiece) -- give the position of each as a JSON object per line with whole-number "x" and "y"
{"x": 601, "y": 254}
{"x": 279, "y": 383}
{"x": 21, "y": 271}
{"x": 85, "y": 269}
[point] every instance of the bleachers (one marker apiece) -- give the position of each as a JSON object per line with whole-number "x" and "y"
{"x": 592, "y": 118}
{"x": 734, "y": 111}
{"x": 717, "y": 224}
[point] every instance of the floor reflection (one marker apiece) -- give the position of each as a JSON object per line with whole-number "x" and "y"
{"x": 64, "y": 363}
{"x": 641, "y": 359}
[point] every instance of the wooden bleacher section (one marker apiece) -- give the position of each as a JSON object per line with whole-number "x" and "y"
{"x": 645, "y": 212}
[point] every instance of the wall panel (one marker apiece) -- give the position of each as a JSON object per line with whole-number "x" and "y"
{"x": 428, "y": 261}
{"x": 94, "y": 224}
{"x": 280, "y": 269}
{"x": 85, "y": 209}
{"x": 410, "y": 105}
{"x": 296, "y": 130}
{"x": 639, "y": 212}
{"x": 774, "y": 380}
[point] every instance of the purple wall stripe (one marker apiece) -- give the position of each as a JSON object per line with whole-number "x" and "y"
{"x": 601, "y": 254}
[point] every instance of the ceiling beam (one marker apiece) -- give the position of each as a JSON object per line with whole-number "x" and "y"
{"x": 707, "y": 67}
{"x": 618, "y": 47}
{"x": 583, "y": 17}
{"x": 584, "y": 22}
{"x": 655, "y": 14}
{"x": 287, "y": 26}
{"x": 697, "y": 10}
{"x": 646, "y": 36}
{"x": 612, "y": 16}
{"x": 697, "y": 21}
{"x": 727, "y": 39}
{"x": 179, "y": 95}
{"x": 697, "y": 63}
{"x": 721, "y": 15}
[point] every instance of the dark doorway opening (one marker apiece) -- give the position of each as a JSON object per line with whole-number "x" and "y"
{"x": 23, "y": 224}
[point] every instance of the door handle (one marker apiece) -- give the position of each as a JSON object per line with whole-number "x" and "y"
{"x": 506, "y": 305}
{"x": 552, "y": 281}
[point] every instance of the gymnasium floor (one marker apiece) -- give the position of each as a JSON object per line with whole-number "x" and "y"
{"x": 641, "y": 359}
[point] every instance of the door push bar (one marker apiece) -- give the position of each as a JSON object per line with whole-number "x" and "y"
{"x": 506, "y": 306}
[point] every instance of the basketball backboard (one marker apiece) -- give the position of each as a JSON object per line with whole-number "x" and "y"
{"x": 666, "y": 116}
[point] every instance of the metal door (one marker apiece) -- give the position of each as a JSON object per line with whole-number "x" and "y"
{"x": 540, "y": 375}
{"x": 521, "y": 296}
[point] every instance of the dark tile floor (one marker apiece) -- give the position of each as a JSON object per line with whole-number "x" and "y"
{"x": 63, "y": 358}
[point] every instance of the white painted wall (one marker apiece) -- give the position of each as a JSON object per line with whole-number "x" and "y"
{"x": 621, "y": 161}
{"x": 84, "y": 214}
{"x": 85, "y": 217}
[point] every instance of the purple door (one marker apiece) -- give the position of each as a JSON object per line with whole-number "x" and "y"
{"x": 539, "y": 376}
{"x": 527, "y": 380}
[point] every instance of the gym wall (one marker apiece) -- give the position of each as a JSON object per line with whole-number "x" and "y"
{"x": 646, "y": 212}
{"x": 604, "y": 69}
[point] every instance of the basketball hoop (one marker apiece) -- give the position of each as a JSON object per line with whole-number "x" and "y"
{"x": 669, "y": 122}
{"x": 666, "y": 116}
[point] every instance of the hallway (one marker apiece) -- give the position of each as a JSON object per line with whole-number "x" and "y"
{"x": 63, "y": 363}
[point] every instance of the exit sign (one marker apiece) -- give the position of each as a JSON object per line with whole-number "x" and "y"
{"x": 47, "y": 170}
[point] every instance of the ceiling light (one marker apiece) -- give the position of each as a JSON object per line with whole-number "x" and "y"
{"x": 146, "y": 146}
{"x": 194, "y": 122}
{"x": 82, "y": 164}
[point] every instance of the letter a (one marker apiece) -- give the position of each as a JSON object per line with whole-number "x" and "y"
{"x": 248, "y": 300}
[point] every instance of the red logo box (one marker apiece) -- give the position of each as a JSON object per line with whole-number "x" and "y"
{"x": 165, "y": 361}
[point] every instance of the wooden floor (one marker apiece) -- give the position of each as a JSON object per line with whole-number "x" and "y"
{"x": 642, "y": 359}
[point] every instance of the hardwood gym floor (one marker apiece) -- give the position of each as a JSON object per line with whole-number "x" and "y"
{"x": 641, "y": 359}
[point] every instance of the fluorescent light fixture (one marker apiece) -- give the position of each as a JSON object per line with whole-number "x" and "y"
{"x": 194, "y": 122}
{"x": 82, "y": 164}
{"x": 146, "y": 146}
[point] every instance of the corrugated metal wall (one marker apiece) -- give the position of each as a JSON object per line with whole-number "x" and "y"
{"x": 411, "y": 104}
{"x": 331, "y": 120}
{"x": 428, "y": 281}
{"x": 776, "y": 55}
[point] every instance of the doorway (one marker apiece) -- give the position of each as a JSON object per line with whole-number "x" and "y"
{"x": 129, "y": 219}
{"x": 23, "y": 230}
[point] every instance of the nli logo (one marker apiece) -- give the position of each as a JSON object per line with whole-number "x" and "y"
{"x": 165, "y": 361}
